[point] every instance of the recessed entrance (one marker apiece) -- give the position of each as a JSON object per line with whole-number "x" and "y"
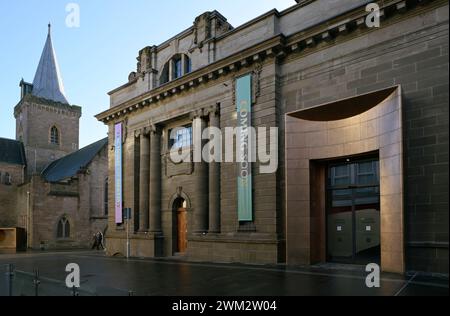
{"x": 180, "y": 208}
{"x": 347, "y": 225}
{"x": 353, "y": 211}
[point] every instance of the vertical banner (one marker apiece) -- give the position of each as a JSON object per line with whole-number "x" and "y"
{"x": 118, "y": 173}
{"x": 244, "y": 116}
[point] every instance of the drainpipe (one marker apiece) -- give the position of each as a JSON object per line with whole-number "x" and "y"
{"x": 28, "y": 220}
{"x": 35, "y": 158}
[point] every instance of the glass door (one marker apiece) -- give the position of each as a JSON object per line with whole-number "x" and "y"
{"x": 353, "y": 214}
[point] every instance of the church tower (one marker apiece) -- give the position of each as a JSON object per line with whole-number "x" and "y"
{"x": 46, "y": 123}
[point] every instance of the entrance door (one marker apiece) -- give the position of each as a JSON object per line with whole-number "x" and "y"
{"x": 182, "y": 230}
{"x": 353, "y": 214}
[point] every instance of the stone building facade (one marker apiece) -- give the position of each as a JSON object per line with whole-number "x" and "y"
{"x": 317, "y": 68}
{"x": 49, "y": 187}
{"x": 12, "y": 174}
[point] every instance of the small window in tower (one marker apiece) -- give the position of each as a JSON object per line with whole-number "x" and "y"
{"x": 54, "y": 136}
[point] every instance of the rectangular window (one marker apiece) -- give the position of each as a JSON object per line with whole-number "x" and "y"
{"x": 367, "y": 173}
{"x": 188, "y": 65}
{"x": 180, "y": 137}
{"x": 178, "y": 69}
{"x": 341, "y": 175}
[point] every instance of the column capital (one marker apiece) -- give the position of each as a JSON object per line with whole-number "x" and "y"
{"x": 155, "y": 130}
{"x": 138, "y": 133}
{"x": 144, "y": 131}
{"x": 197, "y": 114}
{"x": 212, "y": 110}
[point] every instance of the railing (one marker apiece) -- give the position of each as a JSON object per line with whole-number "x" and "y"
{"x": 21, "y": 283}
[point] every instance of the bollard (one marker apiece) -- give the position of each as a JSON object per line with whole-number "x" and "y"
{"x": 36, "y": 282}
{"x": 9, "y": 279}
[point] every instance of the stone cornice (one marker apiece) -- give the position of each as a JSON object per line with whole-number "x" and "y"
{"x": 222, "y": 67}
{"x": 276, "y": 47}
{"x": 345, "y": 24}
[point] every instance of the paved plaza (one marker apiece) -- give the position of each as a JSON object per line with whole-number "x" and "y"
{"x": 101, "y": 275}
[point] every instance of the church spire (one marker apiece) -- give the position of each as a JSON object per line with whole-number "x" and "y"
{"x": 48, "y": 82}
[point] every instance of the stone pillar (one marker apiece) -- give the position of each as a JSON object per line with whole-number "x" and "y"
{"x": 155, "y": 180}
{"x": 214, "y": 178}
{"x": 144, "y": 181}
{"x": 131, "y": 178}
{"x": 183, "y": 64}
{"x": 201, "y": 176}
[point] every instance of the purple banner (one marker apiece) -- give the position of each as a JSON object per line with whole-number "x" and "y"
{"x": 118, "y": 173}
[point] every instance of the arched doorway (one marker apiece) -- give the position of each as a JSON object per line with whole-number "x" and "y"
{"x": 181, "y": 225}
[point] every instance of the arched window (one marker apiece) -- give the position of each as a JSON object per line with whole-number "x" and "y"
{"x": 63, "y": 231}
{"x": 54, "y": 136}
{"x": 105, "y": 198}
{"x": 178, "y": 66}
{"x": 164, "y": 75}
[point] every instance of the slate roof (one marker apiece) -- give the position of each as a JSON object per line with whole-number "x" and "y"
{"x": 70, "y": 165}
{"x": 12, "y": 152}
{"x": 48, "y": 82}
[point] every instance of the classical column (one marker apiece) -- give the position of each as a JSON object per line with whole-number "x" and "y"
{"x": 131, "y": 178}
{"x": 214, "y": 177}
{"x": 144, "y": 180}
{"x": 155, "y": 180}
{"x": 201, "y": 176}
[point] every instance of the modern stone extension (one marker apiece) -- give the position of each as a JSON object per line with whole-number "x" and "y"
{"x": 370, "y": 123}
{"x": 335, "y": 88}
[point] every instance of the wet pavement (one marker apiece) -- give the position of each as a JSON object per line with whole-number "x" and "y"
{"x": 102, "y": 275}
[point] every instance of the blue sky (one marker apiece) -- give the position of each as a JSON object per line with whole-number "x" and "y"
{"x": 98, "y": 56}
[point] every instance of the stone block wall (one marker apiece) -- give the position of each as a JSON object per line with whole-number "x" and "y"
{"x": 267, "y": 197}
{"x": 34, "y": 120}
{"x": 8, "y": 193}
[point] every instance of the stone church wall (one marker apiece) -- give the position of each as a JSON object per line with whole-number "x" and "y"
{"x": 8, "y": 193}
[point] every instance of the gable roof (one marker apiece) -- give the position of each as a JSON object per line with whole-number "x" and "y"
{"x": 12, "y": 152}
{"x": 70, "y": 165}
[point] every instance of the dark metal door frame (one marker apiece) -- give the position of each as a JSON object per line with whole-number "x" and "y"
{"x": 353, "y": 187}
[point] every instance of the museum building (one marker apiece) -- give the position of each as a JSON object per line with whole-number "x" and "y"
{"x": 362, "y": 116}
